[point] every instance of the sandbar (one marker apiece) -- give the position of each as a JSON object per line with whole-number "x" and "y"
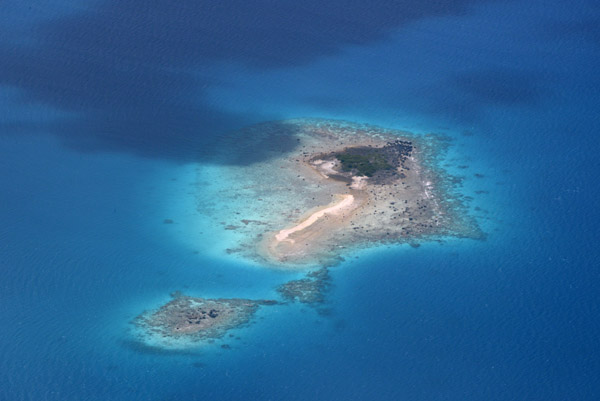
{"x": 345, "y": 203}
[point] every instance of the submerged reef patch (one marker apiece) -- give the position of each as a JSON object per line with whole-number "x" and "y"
{"x": 309, "y": 290}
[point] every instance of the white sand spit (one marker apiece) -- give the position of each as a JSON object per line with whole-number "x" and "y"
{"x": 336, "y": 209}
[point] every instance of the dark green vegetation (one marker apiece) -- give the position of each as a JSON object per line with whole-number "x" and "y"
{"x": 382, "y": 164}
{"x": 366, "y": 163}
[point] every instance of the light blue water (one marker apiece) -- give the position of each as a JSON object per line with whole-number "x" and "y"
{"x": 107, "y": 111}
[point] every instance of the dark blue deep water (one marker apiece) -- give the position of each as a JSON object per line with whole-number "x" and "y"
{"x": 108, "y": 107}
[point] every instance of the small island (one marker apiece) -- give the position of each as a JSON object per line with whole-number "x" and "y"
{"x": 186, "y": 320}
{"x": 328, "y": 187}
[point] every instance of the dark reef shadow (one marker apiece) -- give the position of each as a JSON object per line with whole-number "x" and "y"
{"x": 587, "y": 29}
{"x": 127, "y": 75}
{"x": 465, "y": 97}
{"x": 500, "y": 87}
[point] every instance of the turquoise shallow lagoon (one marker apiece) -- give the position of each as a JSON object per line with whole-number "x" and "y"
{"x": 111, "y": 115}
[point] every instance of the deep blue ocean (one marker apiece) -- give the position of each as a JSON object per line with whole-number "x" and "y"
{"x": 108, "y": 109}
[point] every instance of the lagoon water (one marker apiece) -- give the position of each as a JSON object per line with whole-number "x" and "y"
{"x": 111, "y": 114}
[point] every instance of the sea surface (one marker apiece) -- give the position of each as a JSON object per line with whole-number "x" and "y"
{"x": 111, "y": 113}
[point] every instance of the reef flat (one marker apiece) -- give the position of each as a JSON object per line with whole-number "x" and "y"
{"x": 186, "y": 320}
{"x": 325, "y": 186}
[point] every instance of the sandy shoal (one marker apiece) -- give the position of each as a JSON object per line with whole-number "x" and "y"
{"x": 344, "y": 204}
